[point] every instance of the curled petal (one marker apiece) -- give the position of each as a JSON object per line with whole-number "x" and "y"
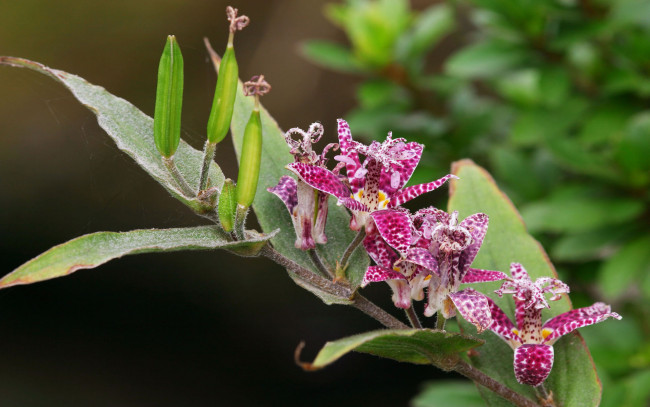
{"x": 379, "y": 251}
{"x": 394, "y": 227}
{"x": 481, "y": 276}
{"x": 553, "y": 286}
{"x": 533, "y": 363}
{"x": 474, "y": 307}
{"x": 375, "y": 274}
{"x": 287, "y": 191}
{"x": 320, "y": 179}
{"x": 414, "y": 191}
{"x": 347, "y": 148}
{"x": 476, "y": 225}
{"x": 424, "y": 258}
{"x": 353, "y": 205}
{"x": 562, "y": 324}
{"x": 502, "y": 326}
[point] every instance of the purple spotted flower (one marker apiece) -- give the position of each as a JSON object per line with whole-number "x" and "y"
{"x": 307, "y": 206}
{"x": 374, "y": 187}
{"x": 438, "y": 257}
{"x": 532, "y": 341}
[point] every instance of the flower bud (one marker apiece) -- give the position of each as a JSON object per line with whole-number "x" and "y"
{"x": 169, "y": 99}
{"x": 227, "y": 205}
{"x": 224, "y": 96}
{"x": 251, "y": 157}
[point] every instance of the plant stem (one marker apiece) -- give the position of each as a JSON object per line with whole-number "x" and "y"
{"x": 208, "y": 156}
{"x": 440, "y": 323}
{"x": 545, "y": 397}
{"x": 501, "y": 389}
{"x": 178, "y": 177}
{"x": 353, "y": 245}
{"x": 361, "y": 303}
{"x": 318, "y": 262}
{"x": 413, "y": 317}
{"x": 240, "y": 221}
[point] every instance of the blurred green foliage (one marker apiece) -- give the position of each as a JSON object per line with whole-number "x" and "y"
{"x": 553, "y": 96}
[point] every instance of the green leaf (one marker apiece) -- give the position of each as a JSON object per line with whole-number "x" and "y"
{"x": 428, "y": 28}
{"x": 271, "y": 212}
{"x": 634, "y": 148}
{"x": 578, "y": 209}
{"x": 590, "y": 245}
{"x": 447, "y": 393}
{"x": 330, "y": 55}
{"x": 629, "y": 264}
{"x": 419, "y": 346}
{"x": 485, "y": 60}
{"x": 573, "y": 379}
{"x": 90, "y": 251}
{"x": 132, "y": 131}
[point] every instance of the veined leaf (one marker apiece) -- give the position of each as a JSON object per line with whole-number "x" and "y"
{"x": 272, "y": 213}
{"x": 573, "y": 380}
{"x": 92, "y": 250}
{"x": 132, "y": 131}
{"x": 419, "y": 346}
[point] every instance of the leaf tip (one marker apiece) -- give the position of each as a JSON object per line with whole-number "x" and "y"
{"x": 306, "y": 366}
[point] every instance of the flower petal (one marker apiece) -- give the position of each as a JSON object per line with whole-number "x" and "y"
{"x": 502, "y": 326}
{"x": 376, "y": 273}
{"x": 379, "y": 250}
{"x": 395, "y": 176}
{"x": 533, "y": 363}
{"x": 477, "y": 225}
{"x": 287, "y": 191}
{"x": 562, "y": 324}
{"x": 394, "y": 227}
{"x": 401, "y": 293}
{"x": 482, "y": 276}
{"x": 422, "y": 257}
{"x": 474, "y": 307}
{"x": 414, "y": 191}
{"x": 320, "y": 178}
{"x": 346, "y": 145}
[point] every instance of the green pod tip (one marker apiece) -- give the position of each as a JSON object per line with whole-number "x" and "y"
{"x": 224, "y": 96}
{"x": 227, "y": 208}
{"x": 251, "y": 157}
{"x": 169, "y": 99}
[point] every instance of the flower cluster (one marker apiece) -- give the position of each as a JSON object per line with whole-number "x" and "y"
{"x": 429, "y": 249}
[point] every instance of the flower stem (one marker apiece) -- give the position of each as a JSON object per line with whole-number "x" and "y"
{"x": 440, "y": 323}
{"x": 178, "y": 177}
{"x": 545, "y": 397}
{"x": 240, "y": 221}
{"x": 484, "y": 380}
{"x": 413, "y": 317}
{"x": 361, "y": 303}
{"x": 208, "y": 156}
{"x": 353, "y": 245}
{"x": 318, "y": 262}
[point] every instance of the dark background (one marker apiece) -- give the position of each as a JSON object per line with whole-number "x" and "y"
{"x": 194, "y": 328}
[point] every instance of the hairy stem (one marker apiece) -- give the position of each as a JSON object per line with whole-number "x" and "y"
{"x": 413, "y": 317}
{"x": 440, "y": 322}
{"x": 208, "y": 156}
{"x": 361, "y": 303}
{"x": 501, "y": 389}
{"x": 178, "y": 177}
{"x": 318, "y": 262}
{"x": 353, "y": 245}
{"x": 240, "y": 222}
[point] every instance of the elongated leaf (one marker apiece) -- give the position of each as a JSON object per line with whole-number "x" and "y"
{"x": 573, "y": 380}
{"x": 131, "y": 130}
{"x": 330, "y": 55}
{"x": 419, "y": 346}
{"x": 90, "y": 251}
{"x": 629, "y": 264}
{"x": 485, "y": 60}
{"x": 271, "y": 211}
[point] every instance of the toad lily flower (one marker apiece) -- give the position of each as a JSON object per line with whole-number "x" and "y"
{"x": 532, "y": 341}
{"x": 307, "y": 206}
{"x": 439, "y": 258}
{"x": 376, "y": 184}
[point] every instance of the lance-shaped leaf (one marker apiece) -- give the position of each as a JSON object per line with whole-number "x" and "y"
{"x": 132, "y": 131}
{"x": 419, "y": 346}
{"x": 92, "y": 250}
{"x": 573, "y": 380}
{"x": 271, "y": 212}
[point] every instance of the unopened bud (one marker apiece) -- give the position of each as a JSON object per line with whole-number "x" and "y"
{"x": 169, "y": 99}
{"x": 227, "y": 205}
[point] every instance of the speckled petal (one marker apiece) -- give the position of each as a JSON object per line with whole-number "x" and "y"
{"x": 414, "y": 191}
{"x": 379, "y": 250}
{"x": 533, "y": 363}
{"x": 346, "y": 145}
{"x": 424, "y": 258}
{"x": 481, "y": 276}
{"x": 353, "y": 205}
{"x": 474, "y": 307}
{"x": 287, "y": 191}
{"x": 375, "y": 274}
{"x": 396, "y": 176}
{"x": 502, "y": 326}
{"x": 401, "y": 293}
{"x": 321, "y": 179}
{"x": 562, "y": 324}
{"x": 477, "y": 225}
{"x": 394, "y": 227}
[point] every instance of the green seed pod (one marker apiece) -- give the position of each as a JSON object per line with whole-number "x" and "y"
{"x": 169, "y": 99}
{"x": 227, "y": 205}
{"x": 251, "y": 156}
{"x": 224, "y": 95}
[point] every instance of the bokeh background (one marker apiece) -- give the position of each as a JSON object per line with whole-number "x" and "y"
{"x": 551, "y": 96}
